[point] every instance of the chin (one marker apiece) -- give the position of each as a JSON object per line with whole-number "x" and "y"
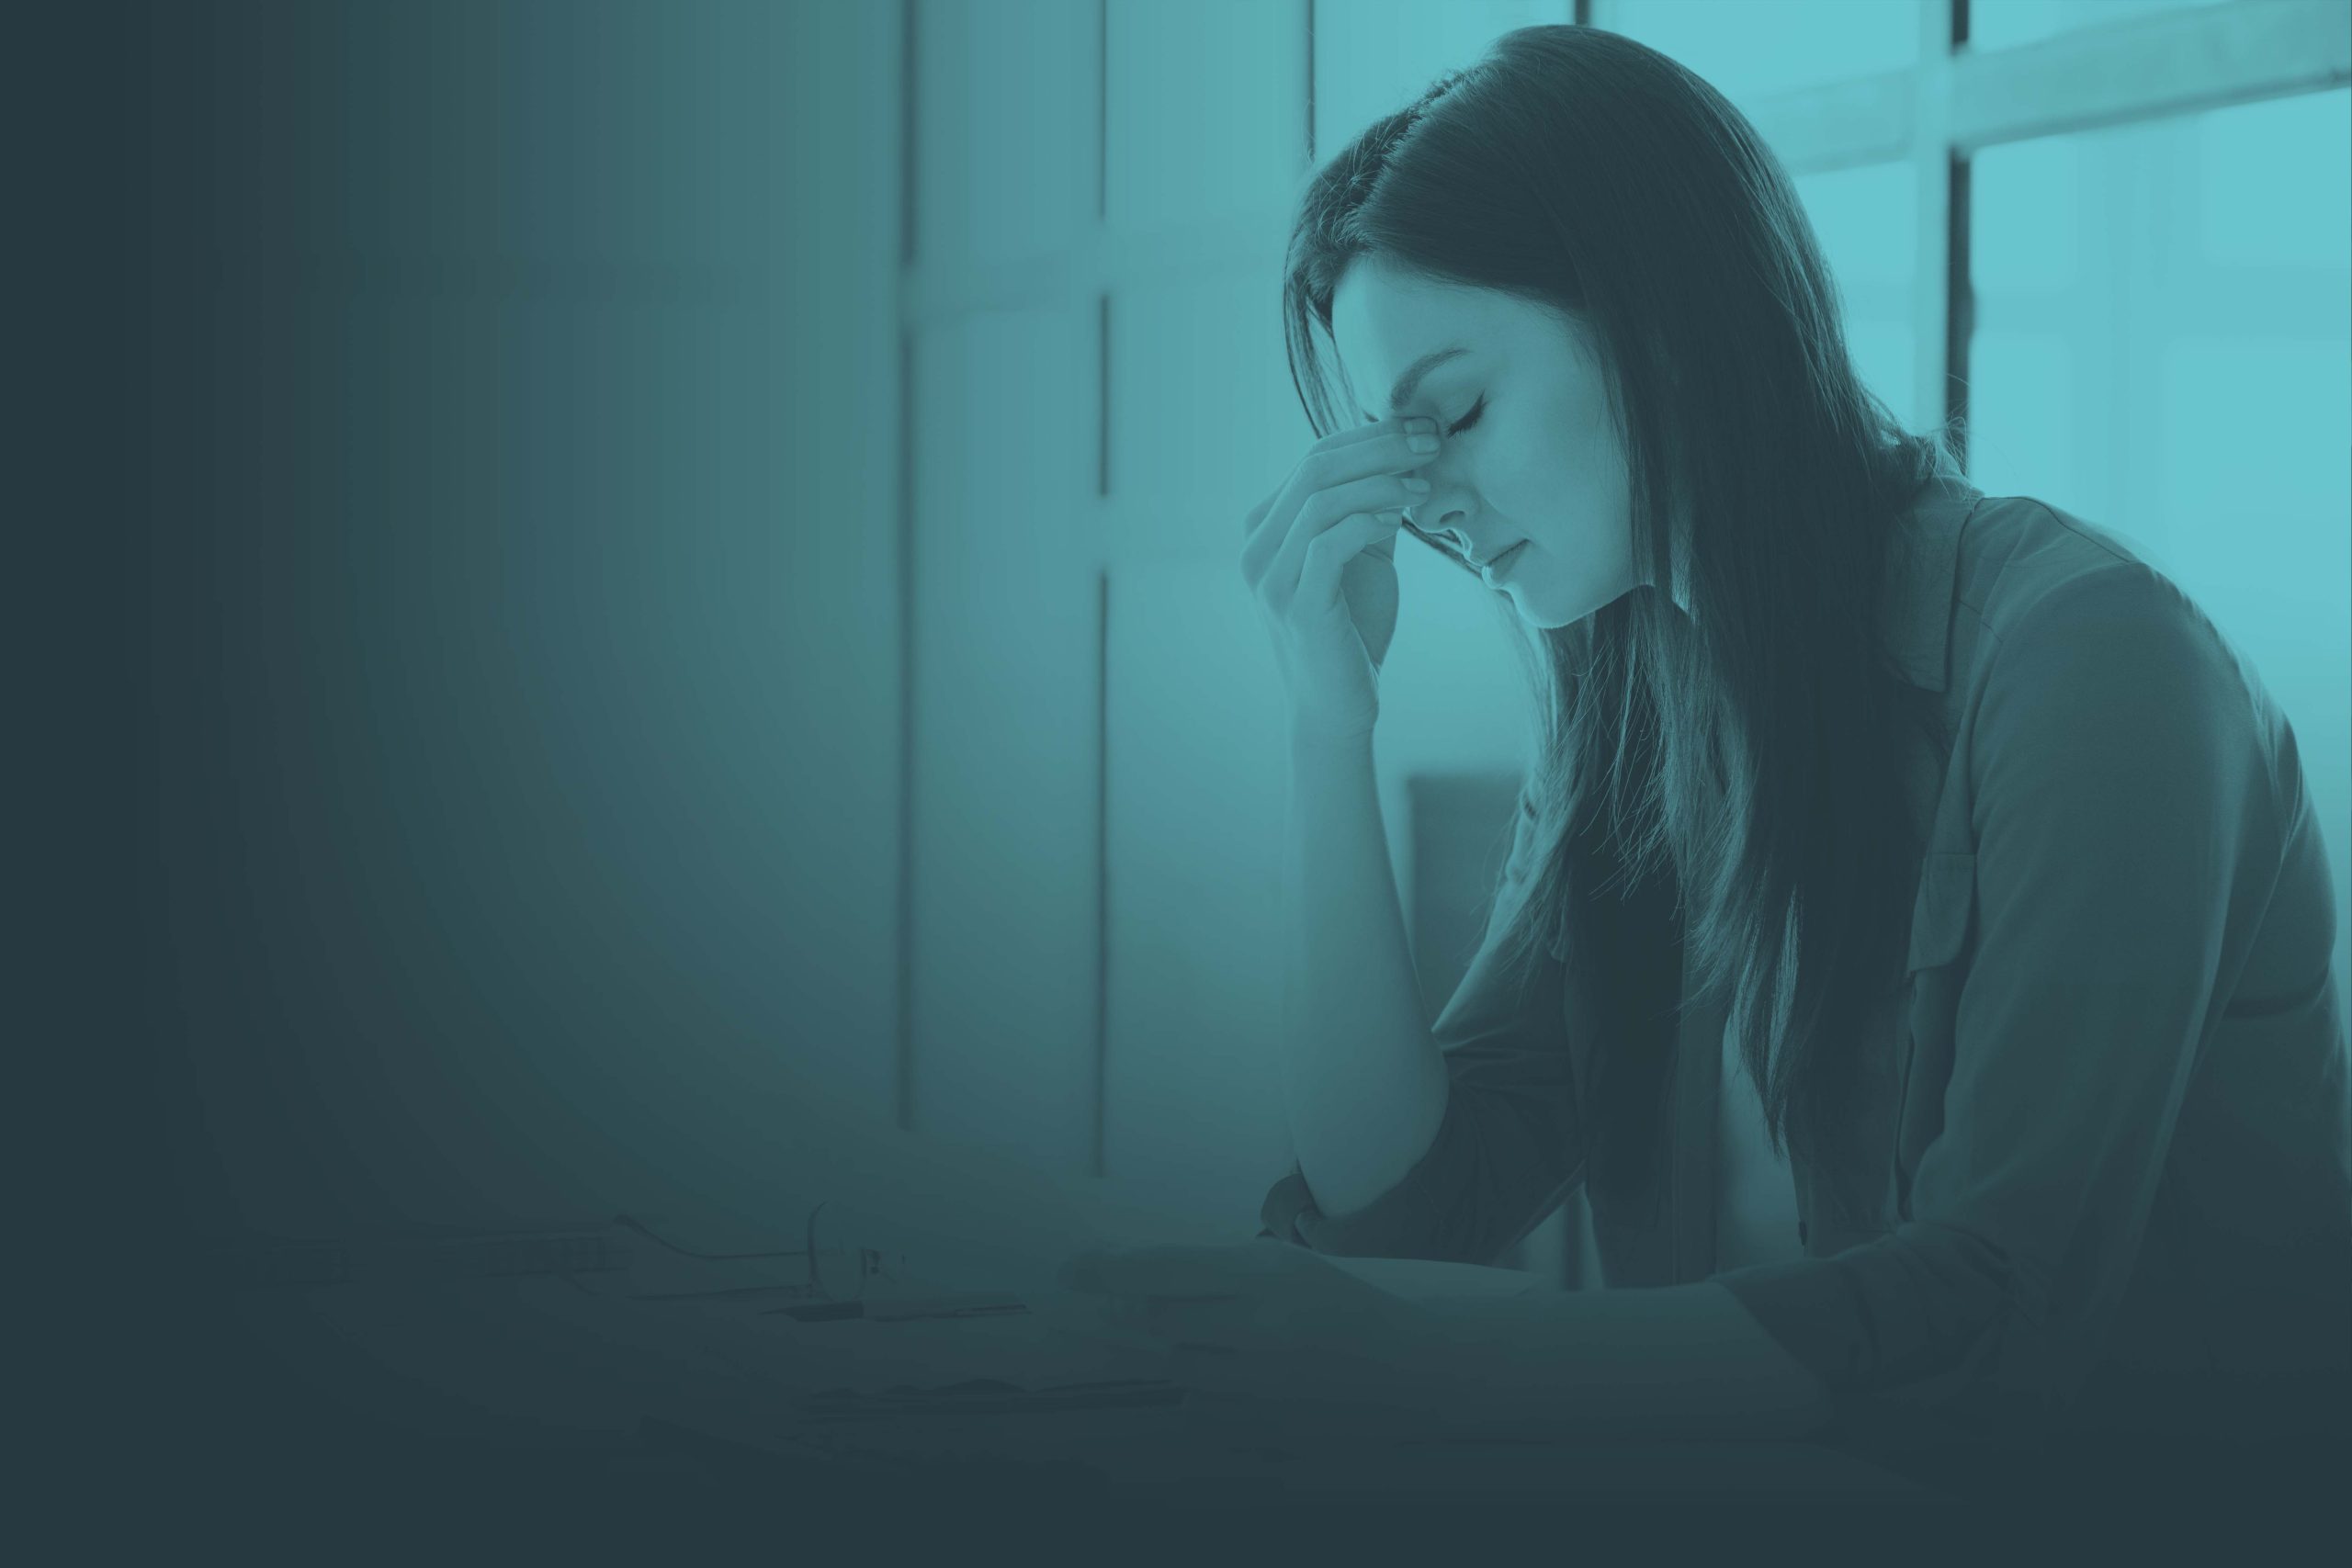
{"x": 1542, "y": 617}
{"x": 1553, "y": 610}
{"x": 1550, "y": 611}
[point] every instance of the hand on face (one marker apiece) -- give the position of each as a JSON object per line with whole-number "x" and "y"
{"x": 1319, "y": 556}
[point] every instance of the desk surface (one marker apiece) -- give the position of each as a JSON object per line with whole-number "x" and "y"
{"x": 544, "y": 1360}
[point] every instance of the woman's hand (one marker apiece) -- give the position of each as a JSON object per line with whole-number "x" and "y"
{"x": 1319, "y": 556}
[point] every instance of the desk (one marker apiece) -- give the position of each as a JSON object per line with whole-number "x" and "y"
{"x": 542, "y": 1364}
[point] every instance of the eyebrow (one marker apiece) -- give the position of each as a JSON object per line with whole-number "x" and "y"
{"x": 1410, "y": 381}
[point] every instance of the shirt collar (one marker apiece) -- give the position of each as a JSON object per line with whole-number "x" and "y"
{"x": 1922, "y": 565}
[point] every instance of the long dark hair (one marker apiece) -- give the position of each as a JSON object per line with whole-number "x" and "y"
{"x": 1731, "y": 738}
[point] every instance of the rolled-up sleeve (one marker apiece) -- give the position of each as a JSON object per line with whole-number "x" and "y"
{"x": 1507, "y": 1152}
{"x": 2128, "y": 835}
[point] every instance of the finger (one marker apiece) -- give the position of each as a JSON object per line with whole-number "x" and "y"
{"x": 1370, "y": 451}
{"x": 1257, "y": 514}
{"x": 1378, "y": 493}
{"x": 1328, "y": 558}
{"x": 1354, "y": 436}
{"x": 1331, "y": 469}
{"x": 1256, "y": 517}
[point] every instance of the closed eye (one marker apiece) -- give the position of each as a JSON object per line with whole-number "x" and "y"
{"x": 1466, "y": 421}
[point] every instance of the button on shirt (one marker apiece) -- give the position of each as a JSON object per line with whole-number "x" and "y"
{"x": 2108, "y": 1169}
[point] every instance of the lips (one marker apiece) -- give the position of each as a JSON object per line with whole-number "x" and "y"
{"x": 1488, "y": 568}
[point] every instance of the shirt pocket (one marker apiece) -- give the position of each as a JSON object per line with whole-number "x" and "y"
{"x": 1943, "y": 921}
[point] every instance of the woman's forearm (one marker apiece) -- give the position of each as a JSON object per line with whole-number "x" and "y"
{"x": 1364, "y": 1083}
{"x": 1669, "y": 1360}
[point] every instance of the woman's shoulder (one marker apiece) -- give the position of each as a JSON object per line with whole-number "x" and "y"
{"x": 2019, "y": 550}
{"x": 2058, "y": 613}
{"x": 2048, "y": 595}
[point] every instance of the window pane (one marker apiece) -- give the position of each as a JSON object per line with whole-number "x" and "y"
{"x": 1171, "y": 163}
{"x": 2024, "y": 434}
{"x": 1753, "y": 51}
{"x": 1192, "y": 1098}
{"x": 1373, "y": 57}
{"x": 1007, "y": 114}
{"x": 1999, "y": 24}
{"x": 1202, "y": 413}
{"x": 2183, "y": 377}
{"x": 1004, "y": 746}
{"x": 2293, "y": 212}
{"x": 2024, "y": 240}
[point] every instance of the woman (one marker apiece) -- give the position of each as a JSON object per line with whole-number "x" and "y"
{"x": 1963, "y": 835}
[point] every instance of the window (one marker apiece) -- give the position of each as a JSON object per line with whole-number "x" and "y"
{"x": 2163, "y": 327}
{"x": 2111, "y": 234}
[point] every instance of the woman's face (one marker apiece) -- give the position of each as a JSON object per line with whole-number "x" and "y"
{"x": 1530, "y": 482}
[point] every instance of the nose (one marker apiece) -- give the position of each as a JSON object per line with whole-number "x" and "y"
{"x": 1450, "y": 530}
{"x": 1447, "y": 527}
{"x": 1440, "y": 514}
